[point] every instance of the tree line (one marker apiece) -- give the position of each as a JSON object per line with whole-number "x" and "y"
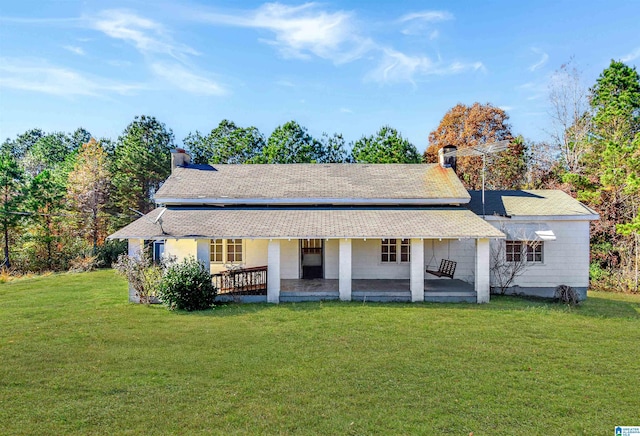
{"x": 63, "y": 193}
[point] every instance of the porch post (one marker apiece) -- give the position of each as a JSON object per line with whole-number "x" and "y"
{"x": 273, "y": 271}
{"x": 135, "y": 247}
{"x": 417, "y": 269}
{"x": 203, "y": 248}
{"x": 482, "y": 285}
{"x": 344, "y": 274}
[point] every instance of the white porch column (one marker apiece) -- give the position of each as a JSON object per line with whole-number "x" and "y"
{"x": 344, "y": 274}
{"x": 273, "y": 271}
{"x": 482, "y": 285}
{"x": 135, "y": 247}
{"x": 203, "y": 249}
{"x": 417, "y": 269}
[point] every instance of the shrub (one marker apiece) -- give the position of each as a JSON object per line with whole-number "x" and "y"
{"x": 109, "y": 252}
{"x": 143, "y": 275}
{"x": 187, "y": 286}
{"x": 83, "y": 264}
{"x": 567, "y": 295}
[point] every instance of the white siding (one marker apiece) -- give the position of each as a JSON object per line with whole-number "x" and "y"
{"x": 331, "y": 259}
{"x": 290, "y": 259}
{"x": 566, "y": 260}
{"x": 180, "y": 248}
{"x": 463, "y": 252}
{"x": 366, "y": 262}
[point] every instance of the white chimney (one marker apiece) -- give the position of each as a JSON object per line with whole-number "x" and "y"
{"x": 447, "y": 156}
{"x": 179, "y": 158}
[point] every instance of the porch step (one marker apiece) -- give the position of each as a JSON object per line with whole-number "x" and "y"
{"x": 451, "y": 297}
{"x": 381, "y": 296}
{"x": 296, "y": 297}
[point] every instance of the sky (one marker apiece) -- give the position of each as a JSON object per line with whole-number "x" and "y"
{"x": 345, "y": 67}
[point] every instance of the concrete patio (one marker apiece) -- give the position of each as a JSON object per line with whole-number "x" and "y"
{"x": 441, "y": 291}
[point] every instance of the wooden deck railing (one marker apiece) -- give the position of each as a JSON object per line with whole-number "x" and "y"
{"x": 244, "y": 281}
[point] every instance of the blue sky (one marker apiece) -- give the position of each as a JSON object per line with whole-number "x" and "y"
{"x": 347, "y": 67}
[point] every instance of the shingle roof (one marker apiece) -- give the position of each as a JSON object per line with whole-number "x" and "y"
{"x": 535, "y": 202}
{"x": 325, "y": 182}
{"x": 310, "y": 223}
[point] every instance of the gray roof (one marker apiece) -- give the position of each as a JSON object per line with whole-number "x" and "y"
{"x": 313, "y": 183}
{"x": 534, "y": 202}
{"x": 310, "y": 223}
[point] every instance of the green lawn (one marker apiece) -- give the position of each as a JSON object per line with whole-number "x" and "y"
{"x": 75, "y": 357}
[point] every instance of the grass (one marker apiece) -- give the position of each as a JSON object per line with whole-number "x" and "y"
{"x": 75, "y": 357}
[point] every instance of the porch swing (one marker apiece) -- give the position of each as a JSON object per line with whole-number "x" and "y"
{"x": 447, "y": 267}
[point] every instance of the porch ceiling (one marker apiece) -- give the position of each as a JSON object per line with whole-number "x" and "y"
{"x": 354, "y": 223}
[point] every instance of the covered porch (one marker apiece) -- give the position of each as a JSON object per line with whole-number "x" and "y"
{"x": 380, "y": 290}
{"x": 360, "y": 254}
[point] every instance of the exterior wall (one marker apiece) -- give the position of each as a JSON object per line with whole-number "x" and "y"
{"x": 565, "y": 260}
{"x": 290, "y": 259}
{"x": 366, "y": 263}
{"x": 331, "y": 259}
{"x": 181, "y": 248}
{"x": 461, "y": 251}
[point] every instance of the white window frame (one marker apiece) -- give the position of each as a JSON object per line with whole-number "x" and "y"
{"x": 223, "y": 245}
{"x": 527, "y": 252}
{"x": 395, "y": 250}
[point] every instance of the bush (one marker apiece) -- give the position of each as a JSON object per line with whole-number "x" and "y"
{"x": 108, "y": 253}
{"x": 83, "y": 264}
{"x": 143, "y": 275}
{"x": 567, "y": 295}
{"x": 187, "y": 286}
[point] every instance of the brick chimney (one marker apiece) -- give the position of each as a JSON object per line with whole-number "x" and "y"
{"x": 179, "y": 158}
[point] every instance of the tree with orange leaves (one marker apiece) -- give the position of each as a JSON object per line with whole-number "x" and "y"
{"x": 469, "y": 126}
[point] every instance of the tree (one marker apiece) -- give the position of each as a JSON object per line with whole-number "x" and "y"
{"x": 44, "y": 201}
{"x": 88, "y": 192}
{"x": 142, "y": 161}
{"x": 469, "y": 126}
{"x": 22, "y": 143}
{"x": 612, "y": 166}
{"x": 386, "y": 146}
{"x": 334, "y": 149}
{"x": 291, "y": 143}
{"x": 227, "y": 144}
{"x": 11, "y": 196}
{"x": 570, "y": 116}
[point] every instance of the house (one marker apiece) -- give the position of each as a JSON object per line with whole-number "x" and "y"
{"x": 357, "y": 231}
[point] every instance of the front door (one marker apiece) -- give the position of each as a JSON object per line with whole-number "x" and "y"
{"x": 311, "y": 258}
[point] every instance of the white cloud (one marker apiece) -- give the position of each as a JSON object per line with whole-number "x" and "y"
{"x": 186, "y": 80}
{"x": 302, "y": 31}
{"x": 430, "y": 16}
{"x": 506, "y": 108}
{"x": 544, "y": 57}
{"x": 419, "y": 23}
{"x": 73, "y": 49}
{"x": 399, "y": 67}
{"x": 47, "y": 79}
{"x": 631, "y": 56}
{"x": 146, "y": 35}
{"x": 345, "y": 110}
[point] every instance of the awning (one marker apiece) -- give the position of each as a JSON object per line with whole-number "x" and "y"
{"x": 302, "y": 223}
{"x": 529, "y": 232}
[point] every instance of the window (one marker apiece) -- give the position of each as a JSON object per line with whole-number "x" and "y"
{"x": 389, "y": 253}
{"x": 234, "y": 250}
{"x": 529, "y": 251}
{"x": 226, "y": 250}
{"x": 389, "y": 250}
{"x": 405, "y": 251}
{"x": 216, "y": 250}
